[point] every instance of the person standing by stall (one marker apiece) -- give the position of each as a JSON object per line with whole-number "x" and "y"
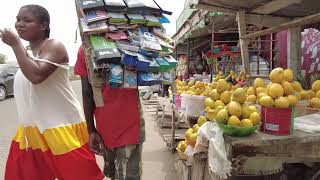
{"x": 52, "y": 140}
{"x": 119, "y": 131}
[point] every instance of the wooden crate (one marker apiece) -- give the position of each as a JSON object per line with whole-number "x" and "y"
{"x": 302, "y": 109}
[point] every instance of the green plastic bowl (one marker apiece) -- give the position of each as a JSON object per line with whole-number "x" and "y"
{"x": 238, "y": 131}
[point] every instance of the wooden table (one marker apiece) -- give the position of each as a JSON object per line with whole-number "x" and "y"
{"x": 299, "y": 145}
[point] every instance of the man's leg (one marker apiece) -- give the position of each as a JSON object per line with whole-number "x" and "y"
{"x": 128, "y": 162}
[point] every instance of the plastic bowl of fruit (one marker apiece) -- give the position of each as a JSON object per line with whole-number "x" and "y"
{"x": 238, "y": 131}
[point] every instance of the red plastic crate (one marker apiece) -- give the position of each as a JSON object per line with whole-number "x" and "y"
{"x": 277, "y": 121}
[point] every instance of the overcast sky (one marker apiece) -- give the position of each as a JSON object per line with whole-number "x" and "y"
{"x": 64, "y": 23}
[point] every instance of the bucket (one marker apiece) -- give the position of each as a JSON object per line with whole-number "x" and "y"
{"x": 177, "y": 101}
{"x": 183, "y": 102}
{"x": 277, "y": 121}
{"x": 194, "y": 105}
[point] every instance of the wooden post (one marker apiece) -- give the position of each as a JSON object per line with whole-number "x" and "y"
{"x": 243, "y": 42}
{"x": 294, "y": 49}
{"x": 212, "y": 40}
{"x": 188, "y": 56}
{"x": 271, "y": 52}
{"x": 173, "y": 129}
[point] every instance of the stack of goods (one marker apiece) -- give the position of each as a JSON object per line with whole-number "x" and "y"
{"x": 228, "y": 108}
{"x": 281, "y": 92}
{"x": 127, "y": 40}
{"x": 191, "y": 136}
{"x": 277, "y": 100}
{"x": 315, "y": 97}
{"x": 204, "y": 89}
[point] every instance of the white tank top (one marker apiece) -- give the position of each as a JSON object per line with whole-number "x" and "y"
{"x": 49, "y": 104}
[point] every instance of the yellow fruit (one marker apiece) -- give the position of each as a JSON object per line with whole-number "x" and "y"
{"x": 275, "y": 90}
{"x": 288, "y": 89}
{"x": 296, "y": 86}
{"x": 288, "y": 75}
{"x": 198, "y": 91}
{"x": 261, "y": 95}
{"x": 182, "y": 146}
{"x": 277, "y": 75}
{"x": 316, "y": 86}
{"x": 206, "y": 109}
{"x": 255, "y": 118}
{"x": 201, "y": 120}
{"x": 251, "y": 91}
{"x": 220, "y": 73}
{"x": 239, "y": 95}
{"x": 234, "y": 108}
{"x": 292, "y": 100}
{"x": 248, "y": 110}
{"x": 251, "y": 98}
{"x": 246, "y": 123}
{"x": 216, "y": 110}
{"x": 311, "y": 93}
{"x": 315, "y": 102}
{"x": 222, "y": 86}
{"x": 234, "y": 121}
{"x": 260, "y": 90}
{"x": 252, "y": 109}
{"x": 214, "y": 85}
{"x": 195, "y": 128}
{"x": 304, "y": 95}
{"x": 281, "y": 102}
{"x": 225, "y": 97}
{"x": 219, "y": 103}
{"x": 214, "y": 95}
{"x": 190, "y": 83}
{"x": 198, "y": 84}
{"x": 318, "y": 94}
{"x": 211, "y": 114}
{"x": 266, "y": 101}
{"x": 188, "y": 134}
{"x": 258, "y": 82}
{"x": 268, "y": 86}
{"x": 208, "y": 102}
{"x": 193, "y": 139}
{"x": 222, "y": 116}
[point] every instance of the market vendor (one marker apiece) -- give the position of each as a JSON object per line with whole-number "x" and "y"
{"x": 119, "y": 131}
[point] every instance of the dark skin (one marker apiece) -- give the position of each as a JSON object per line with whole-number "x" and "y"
{"x": 32, "y": 30}
{"x": 96, "y": 144}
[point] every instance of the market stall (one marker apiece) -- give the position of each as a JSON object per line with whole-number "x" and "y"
{"x": 282, "y": 126}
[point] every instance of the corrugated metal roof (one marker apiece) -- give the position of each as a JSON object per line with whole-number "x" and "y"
{"x": 297, "y": 9}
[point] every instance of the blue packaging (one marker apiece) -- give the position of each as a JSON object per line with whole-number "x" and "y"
{"x": 116, "y": 75}
{"x": 142, "y": 63}
{"x": 129, "y": 58}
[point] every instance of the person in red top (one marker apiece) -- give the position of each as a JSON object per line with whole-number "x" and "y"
{"x": 119, "y": 131}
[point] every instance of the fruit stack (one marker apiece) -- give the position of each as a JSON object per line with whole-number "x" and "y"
{"x": 281, "y": 92}
{"x": 191, "y": 135}
{"x": 315, "y": 98}
{"x": 230, "y": 110}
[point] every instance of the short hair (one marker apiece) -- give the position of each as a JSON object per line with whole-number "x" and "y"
{"x": 41, "y": 14}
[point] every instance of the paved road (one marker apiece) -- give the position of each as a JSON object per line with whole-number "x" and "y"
{"x": 157, "y": 160}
